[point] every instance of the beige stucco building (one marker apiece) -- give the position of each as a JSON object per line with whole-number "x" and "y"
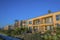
{"x": 45, "y": 22}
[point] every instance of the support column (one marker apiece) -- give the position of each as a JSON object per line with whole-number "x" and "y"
{"x": 54, "y": 21}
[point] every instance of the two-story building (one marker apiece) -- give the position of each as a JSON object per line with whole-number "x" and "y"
{"x": 45, "y": 22}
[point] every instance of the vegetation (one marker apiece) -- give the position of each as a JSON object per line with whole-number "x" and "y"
{"x": 22, "y": 32}
{"x": 16, "y": 31}
{"x": 48, "y": 35}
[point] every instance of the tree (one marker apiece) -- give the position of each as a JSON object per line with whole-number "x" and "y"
{"x": 16, "y": 23}
{"x": 49, "y": 11}
{"x": 21, "y": 23}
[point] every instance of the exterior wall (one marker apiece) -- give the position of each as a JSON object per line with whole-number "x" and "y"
{"x": 17, "y": 24}
{"x": 24, "y": 23}
{"x": 42, "y": 22}
{"x": 6, "y": 28}
{"x": 9, "y": 27}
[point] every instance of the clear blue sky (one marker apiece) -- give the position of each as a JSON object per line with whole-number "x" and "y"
{"x": 24, "y": 9}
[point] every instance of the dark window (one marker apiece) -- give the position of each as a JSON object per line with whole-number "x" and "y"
{"x": 49, "y": 28}
{"x": 57, "y": 17}
{"x": 30, "y": 22}
{"x": 30, "y": 29}
{"x": 35, "y": 28}
{"x": 38, "y": 21}
{"x": 58, "y": 25}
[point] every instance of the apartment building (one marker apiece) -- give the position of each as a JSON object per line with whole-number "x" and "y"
{"x": 17, "y": 23}
{"x": 23, "y": 23}
{"x": 20, "y": 23}
{"x": 8, "y": 27}
{"x": 45, "y": 22}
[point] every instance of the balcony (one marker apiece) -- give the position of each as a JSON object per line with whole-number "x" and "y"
{"x": 48, "y": 20}
{"x": 35, "y": 22}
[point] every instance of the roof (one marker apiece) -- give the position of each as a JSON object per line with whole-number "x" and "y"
{"x": 43, "y": 15}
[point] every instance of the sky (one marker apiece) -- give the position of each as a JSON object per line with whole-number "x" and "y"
{"x": 11, "y": 10}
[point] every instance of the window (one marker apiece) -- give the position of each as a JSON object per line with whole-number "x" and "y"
{"x": 37, "y": 21}
{"x": 49, "y": 28}
{"x": 30, "y": 29}
{"x": 30, "y": 22}
{"x": 35, "y": 28}
{"x": 48, "y": 20}
{"x": 57, "y": 17}
{"x": 58, "y": 25}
